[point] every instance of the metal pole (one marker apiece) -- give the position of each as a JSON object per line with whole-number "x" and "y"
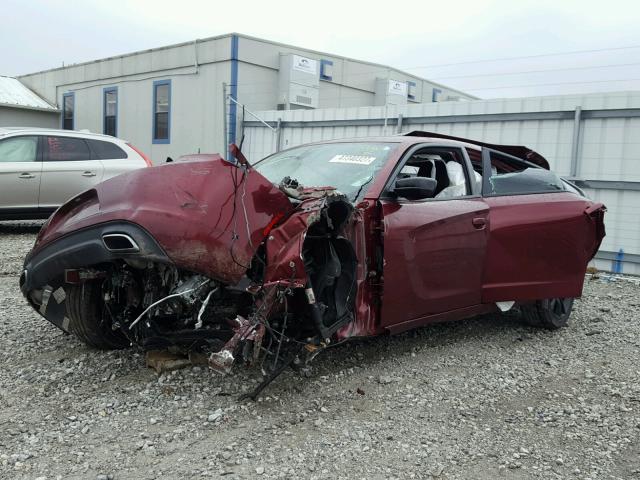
{"x": 225, "y": 140}
{"x": 400, "y": 118}
{"x": 278, "y": 135}
{"x": 575, "y": 142}
{"x": 231, "y": 99}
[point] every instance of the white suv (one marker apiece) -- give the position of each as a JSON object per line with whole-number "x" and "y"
{"x": 40, "y": 169}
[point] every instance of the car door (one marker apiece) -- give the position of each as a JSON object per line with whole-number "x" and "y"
{"x": 20, "y": 169}
{"x": 541, "y": 234}
{"x": 433, "y": 248}
{"x": 68, "y": 168}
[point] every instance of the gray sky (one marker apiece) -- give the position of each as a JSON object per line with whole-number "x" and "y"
{"x": 416, "y": 36}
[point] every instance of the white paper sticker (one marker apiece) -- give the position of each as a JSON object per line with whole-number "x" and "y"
{"x": 306, "y": 65}
{"x": 59, "y": 295}
{"x": 397, "y": 88}
{"x": 357, "y": 159}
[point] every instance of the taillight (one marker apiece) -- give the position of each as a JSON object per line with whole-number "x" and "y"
{"x": 146, "y": 159}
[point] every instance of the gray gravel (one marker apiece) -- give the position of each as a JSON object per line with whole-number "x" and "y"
{"x": 480, "y": 399}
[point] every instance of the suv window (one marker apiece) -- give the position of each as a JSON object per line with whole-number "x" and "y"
{"x": 106, "y": 150}
{"x": 510, "y": 176}
{"x": 19, "y": 149}
{"x": 63, "y": 149}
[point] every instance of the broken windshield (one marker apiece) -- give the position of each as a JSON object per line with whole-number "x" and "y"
{"x": 348, "y": 167}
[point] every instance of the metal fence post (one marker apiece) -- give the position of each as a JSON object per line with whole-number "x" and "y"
{"x": 575, "y": 142}
{"x": 278, "y": 134}
{"x": 400, "y": 119}
{"x": 225, "y": 140}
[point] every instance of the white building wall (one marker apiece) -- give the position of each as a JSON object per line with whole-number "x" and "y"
{"x": 21, "y": 117}
{"x": 198, "y": 71}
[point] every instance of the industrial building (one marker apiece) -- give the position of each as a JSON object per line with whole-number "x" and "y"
{"x": 192, "y": 96}
{"x": 20, "y": 107}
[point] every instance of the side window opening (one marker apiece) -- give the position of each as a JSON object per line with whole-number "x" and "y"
{"x": 443, "y": 165}
{"x": 510, "y": 176}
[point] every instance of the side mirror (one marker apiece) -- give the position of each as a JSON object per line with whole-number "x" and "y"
{"x": 415, "y": 188}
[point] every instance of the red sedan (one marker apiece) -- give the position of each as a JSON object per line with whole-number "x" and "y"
{"x": 273, "y": 262}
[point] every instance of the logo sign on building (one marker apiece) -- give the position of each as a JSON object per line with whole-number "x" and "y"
{"x": 306, "y": 65}
{"x": 397, "y": 88}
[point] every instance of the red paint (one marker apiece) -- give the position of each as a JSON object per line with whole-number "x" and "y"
{"x": 188, "y": 207}
{"x": 433, "y": 257}
{"x": 539, "y": 246}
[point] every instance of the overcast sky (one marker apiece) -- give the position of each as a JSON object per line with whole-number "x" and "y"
{"x": 416, "y": 36}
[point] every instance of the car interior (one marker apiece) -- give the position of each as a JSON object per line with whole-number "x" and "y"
{"x": 443, "y": 165}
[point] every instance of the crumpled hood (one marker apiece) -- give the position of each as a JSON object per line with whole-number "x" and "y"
{"x": 208, "y": 215}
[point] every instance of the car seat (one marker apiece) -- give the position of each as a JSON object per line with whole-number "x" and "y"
{"x": 442, "y": 177}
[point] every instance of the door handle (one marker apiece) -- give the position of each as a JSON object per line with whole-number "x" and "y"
{"x": 26, "y": 175}
{"x": 89, "y": 174}
{"x": 479, "y": 222}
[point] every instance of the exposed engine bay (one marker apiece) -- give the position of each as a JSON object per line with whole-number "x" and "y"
{"x": 266, "y": 319}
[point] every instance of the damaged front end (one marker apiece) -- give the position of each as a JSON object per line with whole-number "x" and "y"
{"x": 203, "y": 257}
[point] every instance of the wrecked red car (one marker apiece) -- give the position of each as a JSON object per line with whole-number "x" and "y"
{"x": 269, "y": 264}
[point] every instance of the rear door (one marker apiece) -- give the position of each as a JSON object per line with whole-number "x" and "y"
{"x": 541, "y": 235}
{"x": 68, "y": 168}
{"x": 433, "y": 248}
{"x": 20, "y": 169}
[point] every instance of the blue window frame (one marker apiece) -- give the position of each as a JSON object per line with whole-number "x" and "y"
{"x": 325, "y": 70}
{"x": 68, "y": 110}
{"x": 161, "y": 111}
{"x": 110, "y": 111}
{"x": 411, "y": 90}
{"x": 435, "y": 94}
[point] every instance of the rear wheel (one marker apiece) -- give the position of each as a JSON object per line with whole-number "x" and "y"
{"x": 551, "y": 313}
{"x": 89, "y": 319}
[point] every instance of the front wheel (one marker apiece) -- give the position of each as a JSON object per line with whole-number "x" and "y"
{"x": 89, "y": 320}
{"x": 551, "y": 313}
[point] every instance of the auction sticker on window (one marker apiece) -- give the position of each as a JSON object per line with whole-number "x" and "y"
{"x": 357, "y": 159}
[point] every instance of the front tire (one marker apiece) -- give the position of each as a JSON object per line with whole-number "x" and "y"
{"x": 551, "y": 313}
{"x": 89, "y": 320}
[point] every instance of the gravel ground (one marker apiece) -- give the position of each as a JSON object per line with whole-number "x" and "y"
{"x": 479, "y": 399}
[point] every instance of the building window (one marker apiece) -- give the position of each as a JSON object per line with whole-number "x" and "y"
{"x": 326, "y": 70}
{"x": 411, "y": 90}
{"x": 161, "y": 111}
{"x": 110, "y": 106}
{"x": 435, "y": 94}
{"x": 68, "y": 110}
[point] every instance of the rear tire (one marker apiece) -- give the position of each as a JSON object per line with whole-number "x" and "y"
{"x": 88, "y": 318}
{"x": 551, "y": 313}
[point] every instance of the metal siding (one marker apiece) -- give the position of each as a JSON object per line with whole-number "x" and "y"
{"x": 20, "y": 117}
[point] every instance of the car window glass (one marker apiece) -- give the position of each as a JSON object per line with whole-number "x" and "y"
{"x": 19, "y": 149}
{"x": 106, "y": 150}
{"x": 61, "y": 149}
{"x": 510, "y": 176}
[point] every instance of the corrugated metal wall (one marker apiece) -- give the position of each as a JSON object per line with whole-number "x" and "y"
{"x": 593, "y": 138}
